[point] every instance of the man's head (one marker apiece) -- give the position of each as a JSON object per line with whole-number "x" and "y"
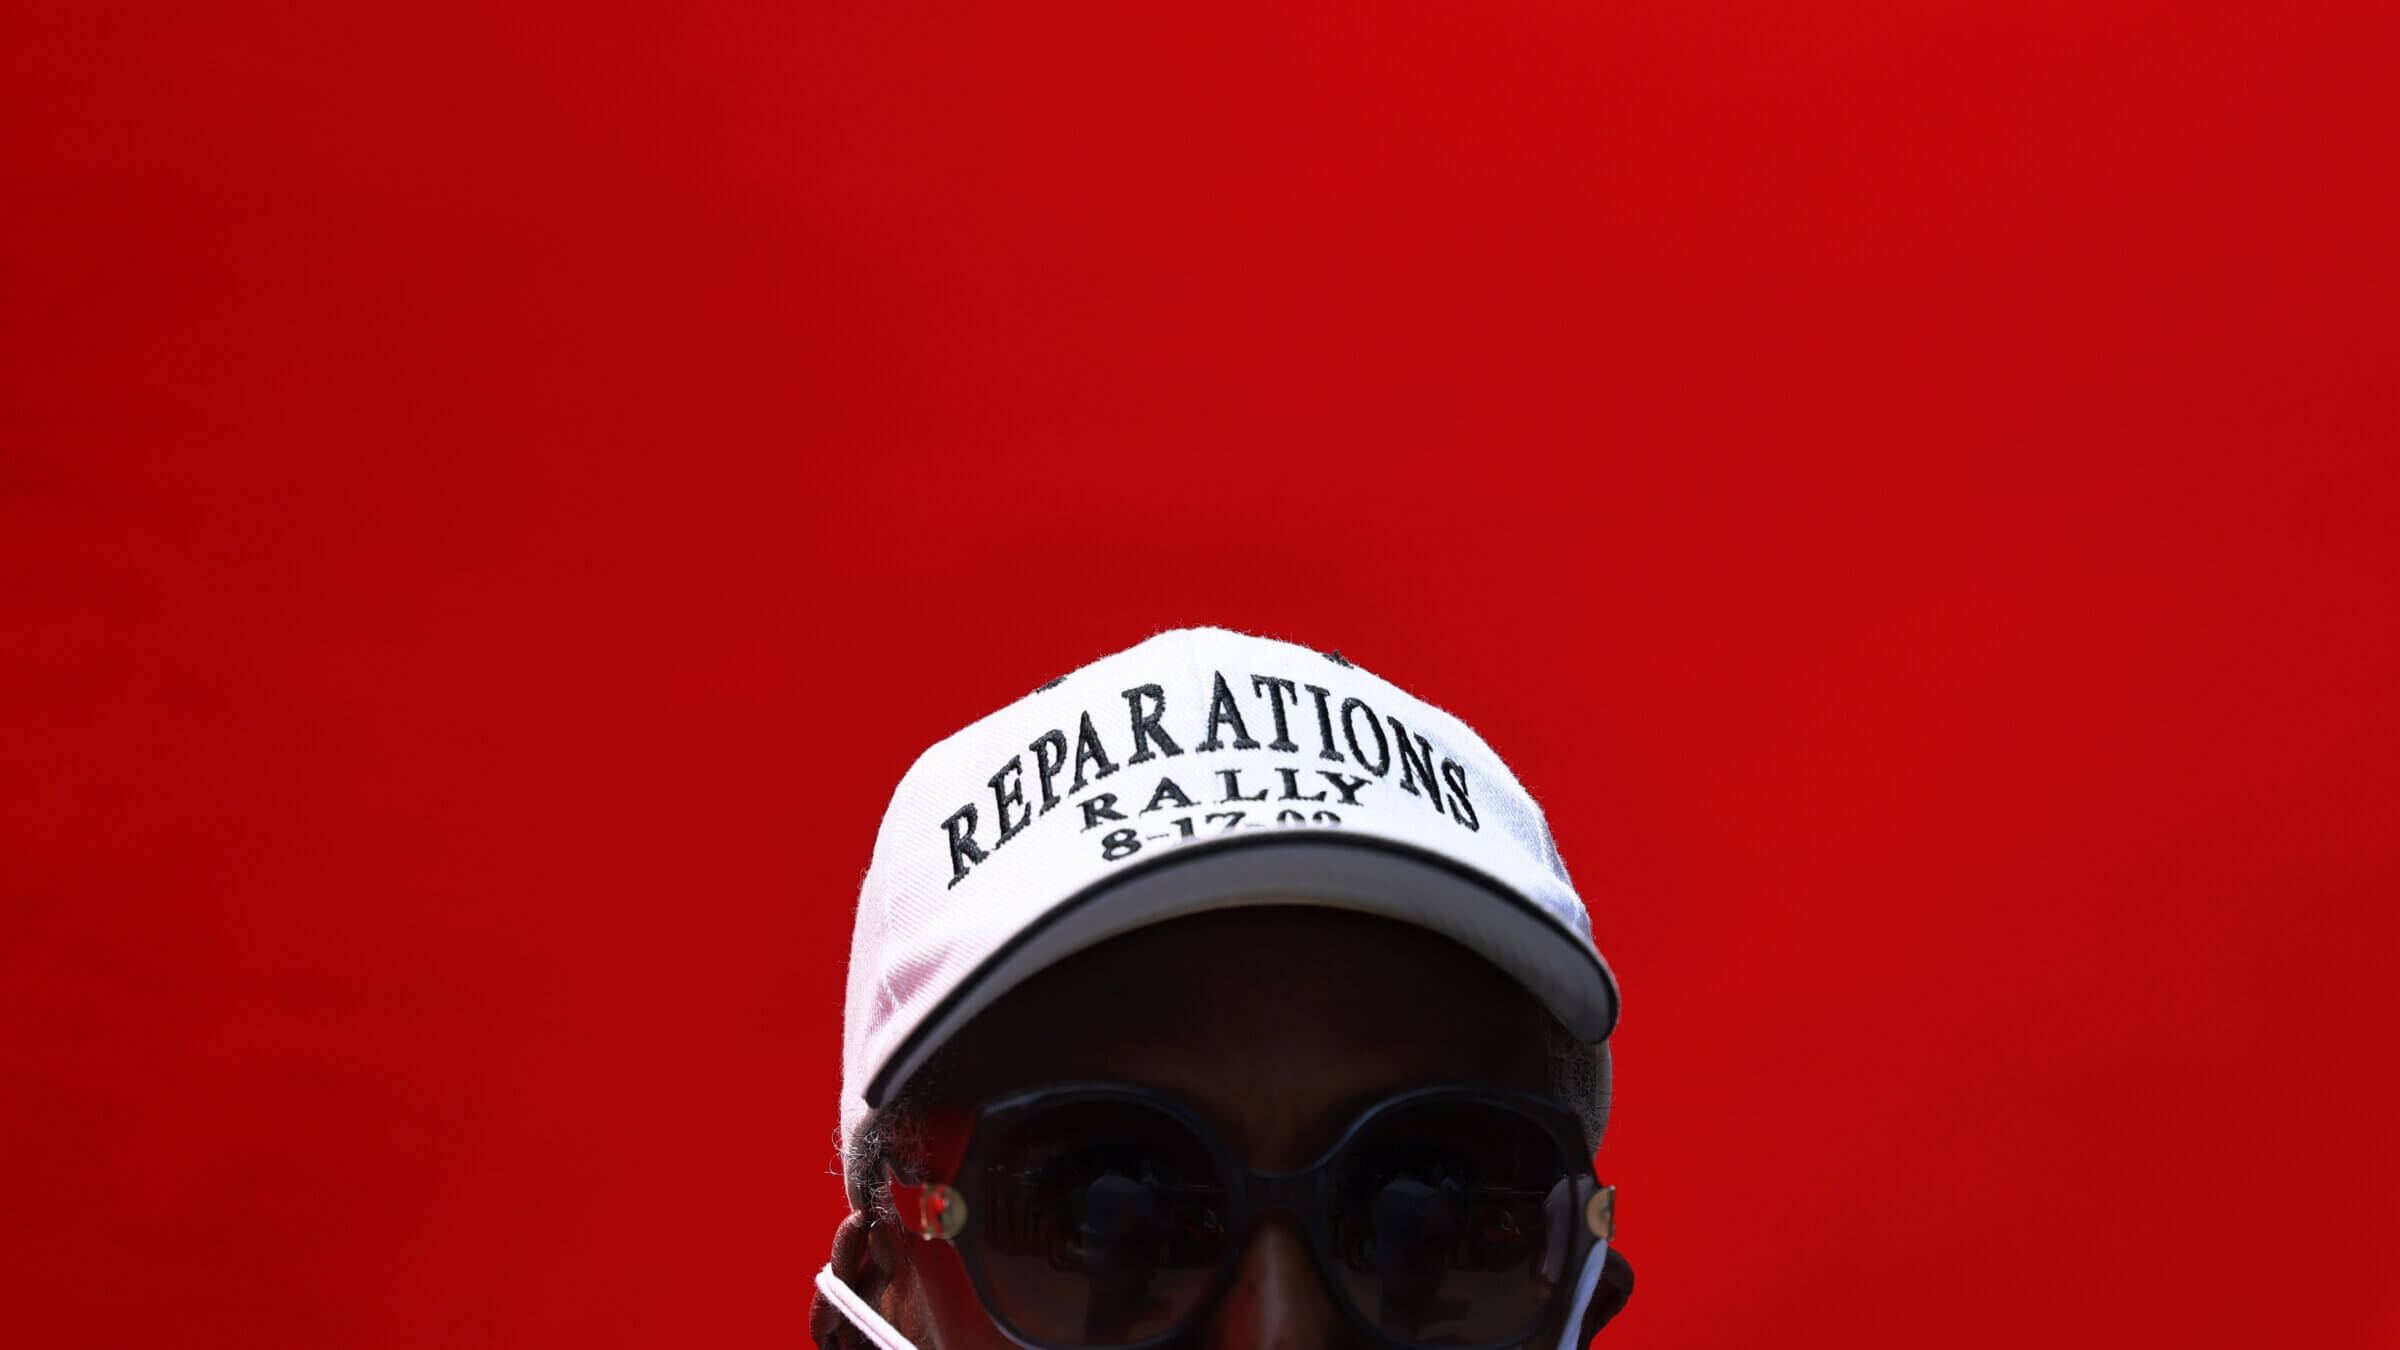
{"x": 1226, "y": 993}
{"x": 1276, "y": 1023}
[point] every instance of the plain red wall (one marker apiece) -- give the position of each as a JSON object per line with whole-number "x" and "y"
{"x": 491, "y": 499}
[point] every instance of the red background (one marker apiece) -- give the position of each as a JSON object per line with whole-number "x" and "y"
{"x": 493, "y": 499}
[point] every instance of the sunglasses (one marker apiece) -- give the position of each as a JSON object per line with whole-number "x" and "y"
{"x": 1108, "y": 1217}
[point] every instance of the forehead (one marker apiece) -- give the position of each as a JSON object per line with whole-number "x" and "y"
{"x": 1272, "y": 1021}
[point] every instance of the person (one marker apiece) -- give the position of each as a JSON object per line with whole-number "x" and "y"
{"x": 1221, "y": 994}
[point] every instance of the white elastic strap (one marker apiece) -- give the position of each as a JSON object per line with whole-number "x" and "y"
{"x": 1572, "y": 1337}
{"x": 861, "y": 1313}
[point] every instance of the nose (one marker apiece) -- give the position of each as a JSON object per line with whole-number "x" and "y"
{"x": 1277, "y": 1300}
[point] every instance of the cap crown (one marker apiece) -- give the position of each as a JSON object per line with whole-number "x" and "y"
{"x": 1194, "y": 741}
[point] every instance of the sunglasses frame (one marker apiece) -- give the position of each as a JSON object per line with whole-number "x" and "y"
{"x": 939, "y": 1211}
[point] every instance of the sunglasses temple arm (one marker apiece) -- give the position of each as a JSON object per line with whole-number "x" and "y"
{"x": 1587, "y": 1283}
{"x": 862, "y": 1314}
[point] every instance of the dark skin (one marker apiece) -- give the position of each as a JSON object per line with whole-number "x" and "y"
{"x": 1277, "y": 1024}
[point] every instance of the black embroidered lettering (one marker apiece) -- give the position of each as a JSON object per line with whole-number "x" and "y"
{"x": 1291, "y": 788}
{"x": 1167, "y": 791}
{"x": 1223, "y": 709}
{"x": 1102, "y": 806}
{"x": 1277, "y": 690}
{"x": 1145, "y": 724}
{"x": 1232, "y": 779}
{"x": 1343, "y": 784}
{"x": 1049, "y": 756}
{"x": 1325, "y": 748}
{"x": 1089, "y": 750}
{"x": 1008, "y": 789}
{"x": 1461, "y": 810}
{"x": 1416, "y": 762}
{"x": 1383, "y": 746}
{"x": 964, "y": 852}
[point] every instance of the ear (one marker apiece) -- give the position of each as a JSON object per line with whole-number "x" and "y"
{"x": 1616, "y": 1288}
{"x": 866, "y": 1257}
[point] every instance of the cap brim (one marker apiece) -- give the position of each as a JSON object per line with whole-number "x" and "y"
{"x": 1370, "y": 876}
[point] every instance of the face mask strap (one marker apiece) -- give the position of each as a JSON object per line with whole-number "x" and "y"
{"x": 1586, "y": 1284}
{"x": 860, "y": 1313}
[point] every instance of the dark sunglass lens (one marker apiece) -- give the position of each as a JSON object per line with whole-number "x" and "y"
{"x": 1449, "y": 1223}
{"x": 1102, "y": 1223}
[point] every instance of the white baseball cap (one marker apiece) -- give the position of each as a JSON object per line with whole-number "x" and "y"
{"x": 1199, "y": 770}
